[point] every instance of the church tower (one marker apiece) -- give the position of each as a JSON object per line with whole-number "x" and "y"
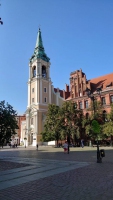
{"x": 39, "y": 92}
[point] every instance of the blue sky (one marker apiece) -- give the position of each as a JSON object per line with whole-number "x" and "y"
{"x": 76, "y": 34}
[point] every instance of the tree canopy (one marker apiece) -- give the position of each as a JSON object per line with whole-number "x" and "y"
{"x": 8, "y": 122}
{"x": 62, "y": 122}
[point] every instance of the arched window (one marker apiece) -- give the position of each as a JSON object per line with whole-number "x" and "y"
{"x": 104, "y": 115}
{"x": 44, "y": 73}
{"x": 34, "y": 71}
{"x": 87, "y": 115}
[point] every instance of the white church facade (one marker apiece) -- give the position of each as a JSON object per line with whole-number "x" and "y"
{"x": 40, "y": 93}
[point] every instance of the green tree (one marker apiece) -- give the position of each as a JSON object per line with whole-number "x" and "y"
{"x": 108, "y": 126}
{"x": 95, "y": 113}
{"x": 52, "y": 125}
{"x": 8, "y": 122}
{"x": 71, "y": 119}
{"x": 96, "y": 129}
{"x": 62, "y": 122}
{"x": 96, "y": 110}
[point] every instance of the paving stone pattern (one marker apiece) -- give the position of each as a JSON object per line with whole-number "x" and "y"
{"x": 68, "y": 178}
{"x": 5, "y": 165}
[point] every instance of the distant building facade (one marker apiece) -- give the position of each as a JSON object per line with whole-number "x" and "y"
{"x": 19, "y": 119}
{"x": 79, "y": 84}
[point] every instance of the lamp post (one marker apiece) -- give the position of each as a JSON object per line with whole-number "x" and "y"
{"x": 91, "y": 96}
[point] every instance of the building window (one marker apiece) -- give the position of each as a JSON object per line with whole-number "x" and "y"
{"x": 111, "y": 98}
{"x": 31, "y": 120}
{"x": 86, "y": 104}
{"x": 87, "y": 115}
{"x": 45, "y": 90}
{"x": 32, "y": 100}
{"x": 32, "y": 90}
{"x": 103, "y": 101}
{"x": 45, "y": 100}
{"x": 104, "y": 115}
{"x": 80, "y": 105}
{"x": 34, "y": 71}
{"x": 44, "y": 73}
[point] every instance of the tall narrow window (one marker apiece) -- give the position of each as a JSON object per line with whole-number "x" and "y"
{"x": 86, "y": 104}
{"x": 45, "y": 100}
{"x": 80, "y": 105}
{"x": 87, "y": 115}
{"x": 44, "y": 73}
{"x": 32, "y": 90}
{"x": 34, "y": 71}
{"x": 45, "y": 90}
{"x": 32, "y": 100}
{"x": 111, "y": 98}
{"x": 31, "y": 120}
{"x": 103, "y": 101}
{"x": 105, "y": 116}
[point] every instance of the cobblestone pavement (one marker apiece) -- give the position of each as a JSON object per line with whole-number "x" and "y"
{"x": 4, "y": 165}
{"x": 49, "y": 174}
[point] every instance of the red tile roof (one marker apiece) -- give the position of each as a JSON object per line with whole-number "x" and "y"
{"x": 101, "y": 81}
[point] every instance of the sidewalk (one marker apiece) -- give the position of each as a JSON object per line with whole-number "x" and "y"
{"x": 53, "y": 149}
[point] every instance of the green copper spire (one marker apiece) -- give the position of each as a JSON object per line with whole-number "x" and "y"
{"x": 39, "y": 51}
{"x": 39, "y": 43}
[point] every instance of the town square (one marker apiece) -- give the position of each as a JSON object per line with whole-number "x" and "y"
{"x": 49, "y": 174}
{"x": 56, "y": 100}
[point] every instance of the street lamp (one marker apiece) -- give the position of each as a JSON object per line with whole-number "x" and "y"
{"x": 91, "y": 96}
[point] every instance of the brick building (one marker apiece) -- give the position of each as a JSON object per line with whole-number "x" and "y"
{"x": 79, "y": 84}
{"x": 19, "y": 119}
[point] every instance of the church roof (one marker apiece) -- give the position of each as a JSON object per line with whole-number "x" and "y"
{"x": 39, "y": 51}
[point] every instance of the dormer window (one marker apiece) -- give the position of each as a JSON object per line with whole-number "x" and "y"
{"x": 44, "y": 73}
{"x": 34, "y": 71}
{"x": 109, "y": 84}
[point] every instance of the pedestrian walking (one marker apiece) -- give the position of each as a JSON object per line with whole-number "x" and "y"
{"x": 82, "y": 144}
{"x": 68, "y": 149}
{"x": 65, "y": 146}
{"x": 37, "y": 147}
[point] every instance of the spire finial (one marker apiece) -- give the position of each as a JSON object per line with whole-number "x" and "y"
{"x": 39, "y": 27}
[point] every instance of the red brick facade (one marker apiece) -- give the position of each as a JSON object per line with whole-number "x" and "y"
{"x": 78, "y": 85}
{"x": 19, "y": 119}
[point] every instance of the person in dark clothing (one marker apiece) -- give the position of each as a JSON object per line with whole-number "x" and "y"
{"x": 37, "y": 147}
